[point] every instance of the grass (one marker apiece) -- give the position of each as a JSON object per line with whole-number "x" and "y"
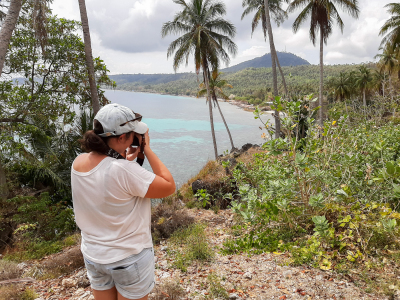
{"x": 215, "y": 289}
{"x": 170, "y": 290}
{"x": 16, "y": 292}
{"x": 188, "y": 245}
{"x": 58, "y": 265}
{"x": 9, "y": 270}
{"x": 31, "y": 249}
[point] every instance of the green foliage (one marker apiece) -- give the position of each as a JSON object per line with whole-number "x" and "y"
{"x": 42, "y": 218}
{"x": 330, "y": 198}
{"x": 36, "y": 248}
{"x": 190, "y": 244}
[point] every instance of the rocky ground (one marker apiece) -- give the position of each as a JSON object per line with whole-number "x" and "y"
{"x": 263, "y": 276}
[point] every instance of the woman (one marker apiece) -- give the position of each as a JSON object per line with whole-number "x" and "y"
{"x": 111, "y": 196}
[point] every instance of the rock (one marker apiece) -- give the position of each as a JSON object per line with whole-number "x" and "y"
{"x": 163, "y": 248}
{"x": 197, "y": 185}
{"x": 247, "y": 275}
{"x": 233, "y": 296}
{"x": 22, "y": 266}
{"x": 83, "y": 282}
{"x": 69, "y": 282}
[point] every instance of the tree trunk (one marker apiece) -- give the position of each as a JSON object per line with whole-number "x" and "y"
{"x": 321, "y": 79}
{"x": 274, "y": 75}
{"x": 7, "y": 29}
{"x": 89, "y": 57}
{"x": 283, "y": 76}
{"x": 223, "y": 119}
{"x": 364, "y": 98}
{"x": 206, "y": 81}
{"x": 3, "y": 184}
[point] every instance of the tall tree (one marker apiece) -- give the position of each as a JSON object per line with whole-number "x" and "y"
{"x": 278, "y": 15}
{"x": 389, "y": 62}
{"x": 273, "y": 59}
{"x": 340, "y": 86}
{"x": 89, "y": 57}
{"x": 322, "y": 14}
{"x": 217, "y": 86}
{"x": 206, "y": 35}
{"x": 363, "y": 81}
{"x": 7, "y": 29}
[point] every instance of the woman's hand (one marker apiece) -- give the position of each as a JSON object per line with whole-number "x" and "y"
{"x": 132, "y": 153}
{"x": 147, "y": 140}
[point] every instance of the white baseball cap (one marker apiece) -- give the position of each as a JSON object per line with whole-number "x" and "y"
{"x": 117, "y": 119}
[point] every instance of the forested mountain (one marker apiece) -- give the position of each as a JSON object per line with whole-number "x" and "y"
{"x": 300, "y": 79}
{"x": 285, "y": 59}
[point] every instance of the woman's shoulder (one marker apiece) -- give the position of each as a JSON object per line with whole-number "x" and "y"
{"x": 87, "y": 162}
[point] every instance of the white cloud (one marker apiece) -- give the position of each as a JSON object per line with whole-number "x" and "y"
{"x": 126, "y": 34}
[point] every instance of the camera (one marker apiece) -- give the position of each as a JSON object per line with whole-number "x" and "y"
{"x": 135, "y": 142}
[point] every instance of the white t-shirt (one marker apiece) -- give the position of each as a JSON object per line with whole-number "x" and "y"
{"x": 111, "y": 211}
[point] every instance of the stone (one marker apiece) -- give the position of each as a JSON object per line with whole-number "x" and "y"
{"x": 247, "y": 275}
{"x": 83, "y": 282}
{"x": 233, "y": 296}
{"x": 69, "y": 282}
{"x": 164, "y": 248}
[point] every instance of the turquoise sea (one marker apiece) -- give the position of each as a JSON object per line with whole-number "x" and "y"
{"x": 180, "y": 132}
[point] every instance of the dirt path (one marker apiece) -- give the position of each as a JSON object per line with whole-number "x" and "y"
{"x": 258, "y": 277}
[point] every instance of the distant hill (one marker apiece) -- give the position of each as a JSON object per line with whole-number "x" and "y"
{"x": 148, "y": 78}
{"x": 285, "y": 59}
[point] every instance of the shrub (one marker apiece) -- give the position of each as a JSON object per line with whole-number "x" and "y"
{"x": 166, "y": 219}
{"x": 9, "y": 270}
{"x": 331, "y": 199}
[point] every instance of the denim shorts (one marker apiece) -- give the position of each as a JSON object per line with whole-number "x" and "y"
{"x": 133, "y": 277}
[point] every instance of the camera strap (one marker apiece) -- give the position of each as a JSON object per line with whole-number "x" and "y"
{"x": 140, "y": 157}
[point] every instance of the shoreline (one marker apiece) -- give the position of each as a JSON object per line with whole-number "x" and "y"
{"x": 237, "y": 103}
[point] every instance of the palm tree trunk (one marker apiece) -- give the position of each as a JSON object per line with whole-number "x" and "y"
{"x": 283, "y": 76}
{"x": 7, "y": 29}
{"x": 206, "y": 81}
{"x": 223, "y": 119}
{"x": 364, "y": 98}
{"x": 274, "y": 75}
{"x": 89, "y": 57}
{"x": 321, "y": 78}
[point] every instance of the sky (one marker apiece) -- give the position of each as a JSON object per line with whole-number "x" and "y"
{"x": 126, "y": 34}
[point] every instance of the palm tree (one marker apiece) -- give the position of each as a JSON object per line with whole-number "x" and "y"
{"x": 89, "y": 57}
{"x": 341, "y": 86}
{"x": 323, "y": 14}
{"x": 363, "y": 81}
{"x": 277, "y": 14}
{"x": 216, "y": 86}
{"x": 388, "y": 62}
{"x": 391, "y": 29}
{"x": 206, "y": 35}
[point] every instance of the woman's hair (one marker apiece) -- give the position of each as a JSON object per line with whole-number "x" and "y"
{"x": 92, "y": 142}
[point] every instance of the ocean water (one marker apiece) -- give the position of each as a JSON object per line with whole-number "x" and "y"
{"x": 180, "y": 131}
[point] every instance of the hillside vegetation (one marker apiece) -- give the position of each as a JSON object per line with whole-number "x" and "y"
{"x": 301, "y": 80}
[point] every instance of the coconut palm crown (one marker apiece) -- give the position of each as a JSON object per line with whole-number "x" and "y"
{"x": 203, "y": 33}
{"x": 391, "y": 29}
{"x": 323, "y": 14}
{"x": 277, "y": 13}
